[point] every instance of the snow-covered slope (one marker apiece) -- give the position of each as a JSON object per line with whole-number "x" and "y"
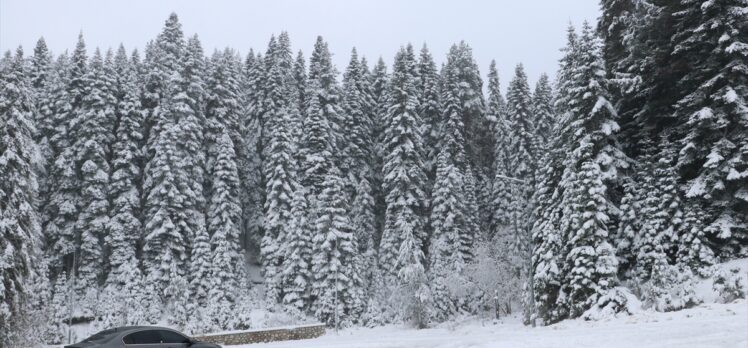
{"x": 706, "y": 326}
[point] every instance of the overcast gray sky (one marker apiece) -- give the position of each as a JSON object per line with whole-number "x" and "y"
{"x": 510, "y": 31}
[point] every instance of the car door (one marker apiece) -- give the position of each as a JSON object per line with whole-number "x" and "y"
{"x": 173, "y": 339}
{"x": 143, "y": 339}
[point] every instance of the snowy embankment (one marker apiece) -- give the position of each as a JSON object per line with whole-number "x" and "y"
{"x": 709, "y": 325}
{"x": 706, "y": 326}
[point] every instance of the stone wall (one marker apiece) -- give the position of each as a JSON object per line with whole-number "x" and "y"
{"x": 265, "y": 335}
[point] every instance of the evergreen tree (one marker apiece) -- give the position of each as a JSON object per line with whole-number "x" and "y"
{"x": 60, "y": 308}
{"x": 571, "y": 239}
{"x": 501, "y": 197}
{"x": 223, "y": 226}
{"x": 448, "y": 221}
{"x": 279, "y": 165}
{"x": 378, "y": 80}
{"x": 163, "y": 58}
{"x": 357, "y": 149}
{"x": 56, "y": 111}
{"x": 125, "y": 188}
{"x": 323, "y": 117}
{"x": 430, "y": 107}
{"x": 40, "y": 68}
{"x": 590, "y": 265}
{"x": 164, "y": 243}
{"x": 64, "y": 202}
{"x": 334, "y": 248}
{"x": 711, "y": 112}
{"x": 299, "y": 74}
{"x": 222, "y": 109}
{"x": 297, "y": 268}
{"x": 19, "y": 221}
{"x": 252, "y": 193}
{"x": 523, "y": 144}
{"x": 542, "y": 109}
{"x": 174, "y": 176}
{"x": 201, "y": 278}
{"x": 94, "y": 122}
{"x": 404, "y": 173}
{"x": 413, "y": 289}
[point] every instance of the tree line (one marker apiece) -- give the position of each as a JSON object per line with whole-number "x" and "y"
{"x": 143, "y": 186}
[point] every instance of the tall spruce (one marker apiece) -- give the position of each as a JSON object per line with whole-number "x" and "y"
{"x": 94, "y": 122}
{"x": 404, "y": 175}
{"x": 20, "y": 232}
{"x": 279, "y": 166}
{"x": 125, "y": 189}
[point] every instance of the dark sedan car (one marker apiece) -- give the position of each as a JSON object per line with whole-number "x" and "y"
{"x": 141, "y": 337}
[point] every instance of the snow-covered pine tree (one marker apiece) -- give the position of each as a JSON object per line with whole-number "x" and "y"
{"x": 404, "y": 175}
{"x": 547, "y": 242}
{"x": 413, "y": 287}
{"x": 629, "y": 224}
{"x": 479, "y": 136}
{"x": 299, "y": 75}
{"x": 39, "y": 68}
{"x": 358, "y": 149}
{"x": 548, "y": 239}
{"x": 174, "y": 176}
{"x": 64, "y": 202}
{"x": 447, "y": 220}
{"x": 224, "y": 214}
{"x": 450, "y": 221}
{"x": 252, "y": 191}
{"x": 430, "y": 108}
{"x": 200, "y": 281}
{"x": 163, "y": 58}
{"x": 335, "y": 286}
{"x": 297, "y": 276}
{"x": 40, "y": 73}
{"x": 358, "y": 154}
{"x": 59, "y": 307}
{"x": 164, "y": 243}
{"x": 362, "y": 212}
{"x": 20, "y": 231}
{"x": 501, "y": 197}
{"x": 661, "y": 210}
{"x": 522, "y": 159}
{"x": 223, "y": 106}
{"x": 279, "y": 166}
{"x": 50, "y": 102}
{"x": 710, "y": 37}
{"x": 323, "y": 117}
{"x": 591, "y": 166}
{"x": 379, "y": 80}
{"x": 126, "y": 164}
{"x": 95, "y": 124}
{"x": 590, "y": 266}
{"x": 468, "y": 90}
{"x": 188, "y": 113}
{"x": 542, "y": 110}
{"x": 523, "y": 142}
{"x": 55, "y": 109}
{"x": 123, "y": 231}
{"x": 472, "y": 229}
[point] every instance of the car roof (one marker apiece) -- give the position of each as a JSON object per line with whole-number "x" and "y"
{"x": 121, "y": 331}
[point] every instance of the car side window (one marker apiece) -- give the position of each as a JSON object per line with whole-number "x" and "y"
{"x": 172, "y": 337}
{"x": 143, "y": 337}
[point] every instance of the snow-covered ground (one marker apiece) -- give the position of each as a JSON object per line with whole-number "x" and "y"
{"x": 706, "y": 326}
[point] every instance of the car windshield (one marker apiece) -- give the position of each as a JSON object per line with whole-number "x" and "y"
{"x": 100, "y": 335}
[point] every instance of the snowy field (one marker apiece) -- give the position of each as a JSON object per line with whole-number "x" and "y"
{"x": 706, "y": 326}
